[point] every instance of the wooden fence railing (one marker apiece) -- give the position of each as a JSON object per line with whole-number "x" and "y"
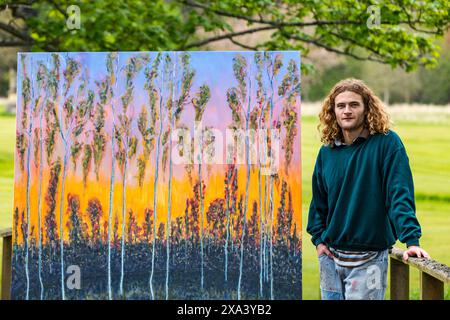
{"x": 6, "y": 236}
{"x": 433, "y": 275}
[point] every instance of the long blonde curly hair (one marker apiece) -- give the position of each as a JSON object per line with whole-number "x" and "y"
{"x": 376, "y": 118}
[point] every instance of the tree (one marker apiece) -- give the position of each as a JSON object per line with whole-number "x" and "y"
{"x": 199, "y": 103}
{"x": 94, "y": 211}
{"x": 177, "y": 232}
{"x": 76, "y": 146}
{"x": 126, "y": 141}
{"x": 50, "y": 199}
{"x": 32, "y": 92}
{"x": 289, "y": 89}
{"x": 194, "y": 203}
{"x": 148, "y": 117}
{"x": 179, "y": 91}
{"x": 283, "y": 221}
{"x": 148, "y": 225}
{"x": 186, "y": 233}
{"x": 116, "y": 240}
{"x": 23, "y": 145}
{"x": 215, "y": 217}
{"x": 164, "y": 85}
{"x": 230, "y": 194}
{"x": 133, "y": 229}
{"x": 107, "y": 94}
{"x": 72, "y": 113}
{"x": 74, "y": 224}
{"x": 238, "y": 97}
{"x": 404, "y": 36}
{"x": 38, "y": 142}
{"x": 160, "y": 234}
{"x": 99, "y": 135}
{"x": 50, "y": 77}
{"x": 253, "y": 227}
{"x": 258, "y": 117}
{"x": 86, "y": 162}
{"x": 273, "y": 65}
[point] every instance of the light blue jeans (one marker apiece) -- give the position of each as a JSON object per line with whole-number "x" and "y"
{"x": 365, "y": 282}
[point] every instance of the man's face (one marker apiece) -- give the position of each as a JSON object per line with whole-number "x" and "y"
{"x": 349, "y": 110}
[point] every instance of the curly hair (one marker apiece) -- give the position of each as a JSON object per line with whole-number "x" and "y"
{"x": 376, "y": 118}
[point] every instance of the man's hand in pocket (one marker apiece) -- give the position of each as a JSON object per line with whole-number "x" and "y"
{"x": 323, "y": 249}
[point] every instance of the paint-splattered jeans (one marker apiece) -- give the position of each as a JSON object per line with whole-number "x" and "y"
{"x": 365, "y": 282}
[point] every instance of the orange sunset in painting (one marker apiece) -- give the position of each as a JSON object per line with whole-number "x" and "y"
{"x": 158, "y": 175}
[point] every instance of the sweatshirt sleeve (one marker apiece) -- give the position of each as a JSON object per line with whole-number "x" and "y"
{"x": 399, "y": 195}
{"x": 318, "y": 208}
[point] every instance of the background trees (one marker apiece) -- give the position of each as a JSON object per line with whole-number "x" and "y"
{"x": 404, "y": 36}
{"x": 327, "y": 33}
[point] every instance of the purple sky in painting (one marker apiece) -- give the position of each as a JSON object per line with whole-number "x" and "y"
{"x": 212, "y": 68}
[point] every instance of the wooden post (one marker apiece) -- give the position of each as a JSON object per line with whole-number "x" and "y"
{"x": 399, "y": 280}
{"x": 6, "y": 267}
{"x": 430, "y": 287}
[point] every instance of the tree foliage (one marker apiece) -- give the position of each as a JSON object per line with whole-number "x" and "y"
{"x": 404, "y": 36}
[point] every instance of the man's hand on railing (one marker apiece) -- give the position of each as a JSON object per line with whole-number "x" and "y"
{"x": 415, "y": 251}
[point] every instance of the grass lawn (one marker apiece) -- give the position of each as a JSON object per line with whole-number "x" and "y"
{"x": 427, "y": 145}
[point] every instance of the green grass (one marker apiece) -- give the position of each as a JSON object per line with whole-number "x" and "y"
{"x": 427, "y": 146}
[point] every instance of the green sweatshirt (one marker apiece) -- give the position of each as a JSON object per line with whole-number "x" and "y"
{"x": 363, "y": 195}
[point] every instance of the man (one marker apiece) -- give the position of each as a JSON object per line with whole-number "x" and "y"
{"x": 363, "y": 195}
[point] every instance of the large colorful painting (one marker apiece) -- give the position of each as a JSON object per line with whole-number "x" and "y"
{"x": 158, "y": 175}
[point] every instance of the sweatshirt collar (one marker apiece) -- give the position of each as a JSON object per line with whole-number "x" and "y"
{"x": 362, "y": 136}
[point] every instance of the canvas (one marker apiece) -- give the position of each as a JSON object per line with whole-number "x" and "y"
{"x": 158, "y": 175}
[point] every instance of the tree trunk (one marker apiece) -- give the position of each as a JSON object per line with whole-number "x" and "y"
{"x": 61, "y": 226}
{"x": 228, "y": 229}
{"x": 155, "y": 183}
{"x": 247, "y": 157}
{"x": 201, "y": 211}
{"x": 124, "y": 209}
{"x": 28, "y": 212}
{"x": 111, "y": 197}
{"x": 41, "y": 167}
{"x": 168, "y": 226}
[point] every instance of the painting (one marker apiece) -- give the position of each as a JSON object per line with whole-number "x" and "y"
{"x": 157, "y": 175}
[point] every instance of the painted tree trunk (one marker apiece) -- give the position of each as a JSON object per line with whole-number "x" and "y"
{"x": 265, "y": 254}
{"x": 261, "y": 228}
{"x": 155, "y": 190}
{"x": 41, "y": 168}
{"x": 227, "y": 229}
{"x": 111, "y": 197}
{"x": 168, "y": 225}
{"x": 247, "y": 184}
{"x": 61, "y": 226}
{"x": 28, "y": 214}
{"x": 271, "y": 238}
{"x": 271, "y": 190}
{"x": 124, "y": 209}
{"x": 202, "y": 275}
{"x": 261, "y": 221}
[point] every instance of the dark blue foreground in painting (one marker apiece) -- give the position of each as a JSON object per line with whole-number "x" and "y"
{"x": 184, "y": 281}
